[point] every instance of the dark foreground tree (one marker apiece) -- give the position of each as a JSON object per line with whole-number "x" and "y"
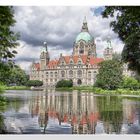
{"x": 127, "y": 26}
{"x": 110, "y": 75}
{"x": 8, "y": 38}
{"x": 8, "y": 41}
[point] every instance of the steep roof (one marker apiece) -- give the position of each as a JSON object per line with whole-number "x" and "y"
{"x": 37, "y": 66}
{"x": 52, "y": 64}
{"x": 92, "y": 61}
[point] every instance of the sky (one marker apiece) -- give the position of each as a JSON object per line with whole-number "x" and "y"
{"x": 59, "y": 27}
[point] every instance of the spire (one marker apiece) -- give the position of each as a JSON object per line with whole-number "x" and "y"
{"x": 85, "y": 21}
{"x": 45, "y": 45}
{"x": 44, "y": 48}
{"x": 84, "y": 26}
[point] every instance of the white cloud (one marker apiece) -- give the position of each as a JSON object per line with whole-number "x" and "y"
{"x": 59, "y": 26}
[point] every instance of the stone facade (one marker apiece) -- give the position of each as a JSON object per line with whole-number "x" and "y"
{"x": 81, "y": 67}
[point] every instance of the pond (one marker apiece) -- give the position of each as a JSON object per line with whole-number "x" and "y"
{"x": 74, "y": 112}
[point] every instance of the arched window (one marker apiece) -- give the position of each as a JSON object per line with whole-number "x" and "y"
{"x": 94, "y": 75}
{"x": 94, "y": 72}
{"x": 71, "y": 73}
{"x": 89, "y": 74}
{"x": 51, "y": 74}
{"x": 63, "y": 73}
{"x": 62, "y": 63}
{"x": 55, "y": 74}
{"x": 79, "y": 73}
{"x": 81, "y": 50}
{"x": 47, "y": 74}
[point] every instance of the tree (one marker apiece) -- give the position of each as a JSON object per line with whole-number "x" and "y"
{"x": 64, "y": 83}
{"x": 116, "y": 56}
{"x": 110, "y": 75}
{"x": 127, "y": 26}
{"x": 17, "y": 76}
{"x": 35, "y": 83}
{"x": 8, "y": 38}
{"x": 8, "y": 41}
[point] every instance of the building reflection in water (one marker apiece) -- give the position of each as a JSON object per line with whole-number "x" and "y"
{"x": 84, "y": 112}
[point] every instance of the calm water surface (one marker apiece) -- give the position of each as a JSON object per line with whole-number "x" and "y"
{"x": 55, "y": 112}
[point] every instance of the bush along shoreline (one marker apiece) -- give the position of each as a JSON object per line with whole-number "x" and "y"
{"x": 96, "y": 90}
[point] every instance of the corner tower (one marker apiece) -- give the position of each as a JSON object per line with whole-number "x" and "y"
{"x": 108, "y": 52}
{"x": 44, "y": 57}
{"x": 84, "y": 43}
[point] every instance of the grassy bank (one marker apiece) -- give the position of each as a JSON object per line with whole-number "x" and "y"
{"x": 102, "y": 91}
{"x": 16, "y": 88}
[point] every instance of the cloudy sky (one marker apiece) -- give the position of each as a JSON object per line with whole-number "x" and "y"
{"x": 58, "y": 26}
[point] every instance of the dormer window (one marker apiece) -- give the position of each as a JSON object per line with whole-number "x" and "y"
{"x": 71, "y": 62}
{"x": 62, "y": 62}
{"x": 79, "y": 62}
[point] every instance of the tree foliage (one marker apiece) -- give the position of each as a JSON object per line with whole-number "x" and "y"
{"x": 13, "y": 75}
{"x": 110, "y": 75}
{"x": 130, "y": 83}
{"x": 8, "y": 38}
{"x": 127, "y": 26}
{"x": 35, "y": 83}
{"x": 18, "y": 76}
{"x": 8, "y": 42}
{"x": 116, "y": 56}
{"x": 64, "y": 83}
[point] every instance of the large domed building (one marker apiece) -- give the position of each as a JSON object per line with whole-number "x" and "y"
{"x": 81, "y": 67}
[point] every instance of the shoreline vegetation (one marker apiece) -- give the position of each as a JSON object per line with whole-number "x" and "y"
{"x": 95, "y": 90}
{"x": 101, "y": 91}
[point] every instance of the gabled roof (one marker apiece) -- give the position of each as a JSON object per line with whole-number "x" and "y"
{"x": 52, "y": 63}
{"x": 92, "y": 60}
{"x": 37, "y": 66}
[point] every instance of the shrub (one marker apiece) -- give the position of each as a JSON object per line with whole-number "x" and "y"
{"x": 64, "y": 83}
{"x": 34, "y": 83}
{"x": 130, "y": 83}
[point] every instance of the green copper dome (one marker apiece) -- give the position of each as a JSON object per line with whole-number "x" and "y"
{"x": 84, "y": 36}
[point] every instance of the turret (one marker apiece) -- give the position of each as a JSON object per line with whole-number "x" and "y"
{"x": 108, "y": 52}
{"x": 44, "y": 57}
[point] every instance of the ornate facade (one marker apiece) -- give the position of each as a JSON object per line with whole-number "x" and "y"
{"x": 81, "y": 67}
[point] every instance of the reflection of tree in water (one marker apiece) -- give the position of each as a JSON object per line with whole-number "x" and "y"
{"x": 2, "y": 125}
{"x": 110, "y": 108}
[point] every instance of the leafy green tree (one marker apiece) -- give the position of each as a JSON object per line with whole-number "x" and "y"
{"x": 64, "y": 83}
{"x": 8, "y": 41}
{"x": 110, "y": 75}
{"x": 35, "y": 83}
{"x": 131, "y": 83}
{"x": 17, "y": 76}
{"x": 8, "y": 38}
{"x": 127, "y": 26}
